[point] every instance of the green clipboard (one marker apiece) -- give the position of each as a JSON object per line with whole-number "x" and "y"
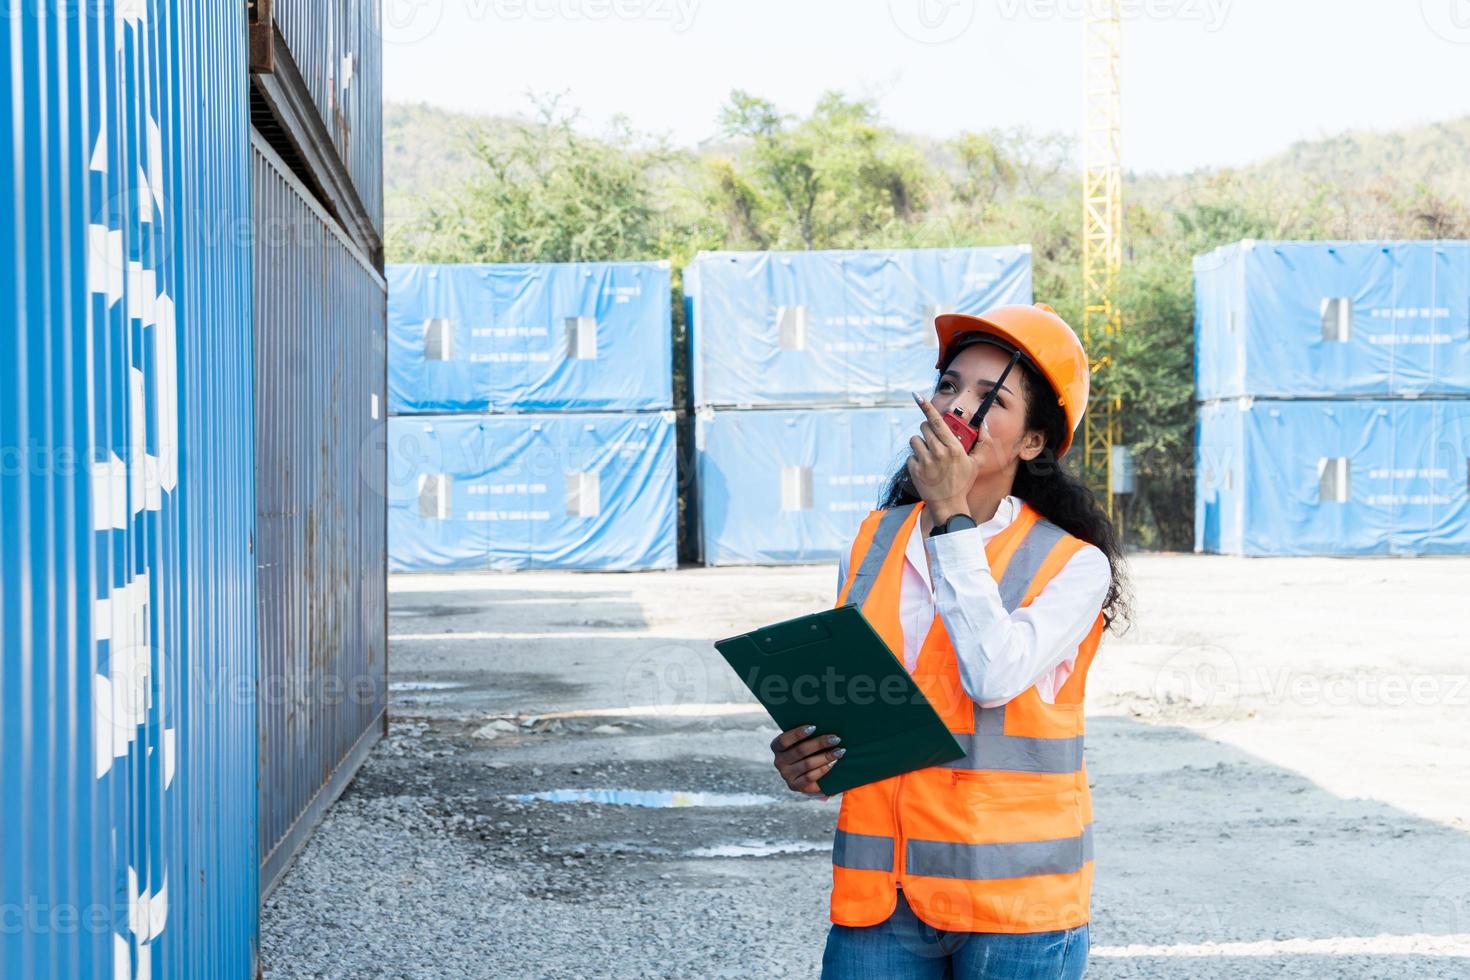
{"x": 832, "y": 669}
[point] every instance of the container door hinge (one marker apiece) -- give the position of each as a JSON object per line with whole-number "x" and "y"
{"x": 262, "y": 37}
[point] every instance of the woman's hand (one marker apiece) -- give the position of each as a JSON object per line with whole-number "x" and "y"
{"x": 941, "y": 469}
{"x": 801, "y": 761}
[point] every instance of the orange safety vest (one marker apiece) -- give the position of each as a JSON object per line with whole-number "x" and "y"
{"x": 1000, "y": 840}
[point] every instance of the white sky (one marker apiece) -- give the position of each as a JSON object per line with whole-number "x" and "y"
{"x": 1205, "y": 82}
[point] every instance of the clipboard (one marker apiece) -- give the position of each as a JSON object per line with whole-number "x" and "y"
{"x": 832, "y": 669}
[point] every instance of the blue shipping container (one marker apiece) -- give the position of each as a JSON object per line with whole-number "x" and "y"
{"x": 1352, "y": 477}
{"x": 783, "y": 486}
{"x": 127, "y": 602}
{"x": 1332, "y": 319}
{"x": 321, "y": 543}
{"x": 855, "y": 327}
{"x": 337, "y": 46}
{"x": 573, "y": 337}
{"x": 570, "y": 491}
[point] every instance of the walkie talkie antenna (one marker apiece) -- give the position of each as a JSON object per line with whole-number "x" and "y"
{"x": 989, "y": 398}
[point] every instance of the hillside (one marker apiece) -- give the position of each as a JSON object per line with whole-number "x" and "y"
{"x": 1437, "y": 155}
{"x": 426, "y": 155}
{"x": 426, "y": 152}
{"x": 1409, "y": 182}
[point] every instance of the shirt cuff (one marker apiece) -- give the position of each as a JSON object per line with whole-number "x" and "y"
{"x": 957, "y": 551}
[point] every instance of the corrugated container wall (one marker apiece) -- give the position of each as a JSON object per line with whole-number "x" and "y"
{"x": 337, "y": 46}
{"x": 1333, "y": 320}
{"x": 127, "y": 714}
{"x": 588, "y": 491}
{"x": 320, "y": 313}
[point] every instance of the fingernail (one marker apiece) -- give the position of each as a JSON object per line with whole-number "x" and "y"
{"x": 833, "y": 739}
{"x": 839, "y": 753}
{"x": 917, "y": 397}
{"x": 809, "y": 729}
{"x": 824, "y": 799}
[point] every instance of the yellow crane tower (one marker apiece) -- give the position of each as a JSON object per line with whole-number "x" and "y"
{"x": 1102, "y": 233}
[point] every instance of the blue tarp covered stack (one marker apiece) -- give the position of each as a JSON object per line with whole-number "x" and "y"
{"x": 532, "y": 417}
{"x": 801, "y": 364}
{"x": 1333, "y": 381}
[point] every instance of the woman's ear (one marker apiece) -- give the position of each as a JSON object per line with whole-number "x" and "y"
{"x": 1032, "y": 443}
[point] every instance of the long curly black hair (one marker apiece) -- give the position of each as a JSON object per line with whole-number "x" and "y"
{"x": 1047, "y": 485}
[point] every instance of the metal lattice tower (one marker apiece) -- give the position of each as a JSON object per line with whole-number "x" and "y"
{"x": 1102, "y": 232}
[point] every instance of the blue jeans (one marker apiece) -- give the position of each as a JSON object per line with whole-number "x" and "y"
{"x": 904, "y": 947}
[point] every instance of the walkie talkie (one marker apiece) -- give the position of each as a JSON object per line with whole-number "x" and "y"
{"x": 966, "y": 433}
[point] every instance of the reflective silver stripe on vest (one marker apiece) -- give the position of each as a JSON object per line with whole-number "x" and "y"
{"x": 1040, "y": 539}
{"x": 984, "y": 862}
{"x": 862, "y": 852}
{"x": 1013, "y": 753}
{"x": 990, "y": 747}
{"x": 872, "y": 562}
{"x": 990, "y": 721}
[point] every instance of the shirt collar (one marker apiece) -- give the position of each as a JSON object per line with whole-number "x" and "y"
{"x": 1005, "y": 512}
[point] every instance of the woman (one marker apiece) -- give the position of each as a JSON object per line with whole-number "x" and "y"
{"x": 993, "y": 573}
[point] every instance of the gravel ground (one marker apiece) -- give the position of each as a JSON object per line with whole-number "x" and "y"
{"x": 1248, "y": 822}
{"x": 424, "y": 868}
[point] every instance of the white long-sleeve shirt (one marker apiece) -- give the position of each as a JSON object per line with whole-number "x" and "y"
{"x": 1000, "y": 654}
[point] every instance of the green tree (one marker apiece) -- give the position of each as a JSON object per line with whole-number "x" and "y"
{"x": 545, "y": 193}
{"x": 837, "y": 179}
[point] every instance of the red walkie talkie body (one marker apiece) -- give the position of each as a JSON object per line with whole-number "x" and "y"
{"x": 964, "y": 433}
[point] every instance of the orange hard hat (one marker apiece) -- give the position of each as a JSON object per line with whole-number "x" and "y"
{"x": 1043, "y": 338}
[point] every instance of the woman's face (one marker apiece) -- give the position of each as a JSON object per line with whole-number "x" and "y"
{"x": 966, "y": 382}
